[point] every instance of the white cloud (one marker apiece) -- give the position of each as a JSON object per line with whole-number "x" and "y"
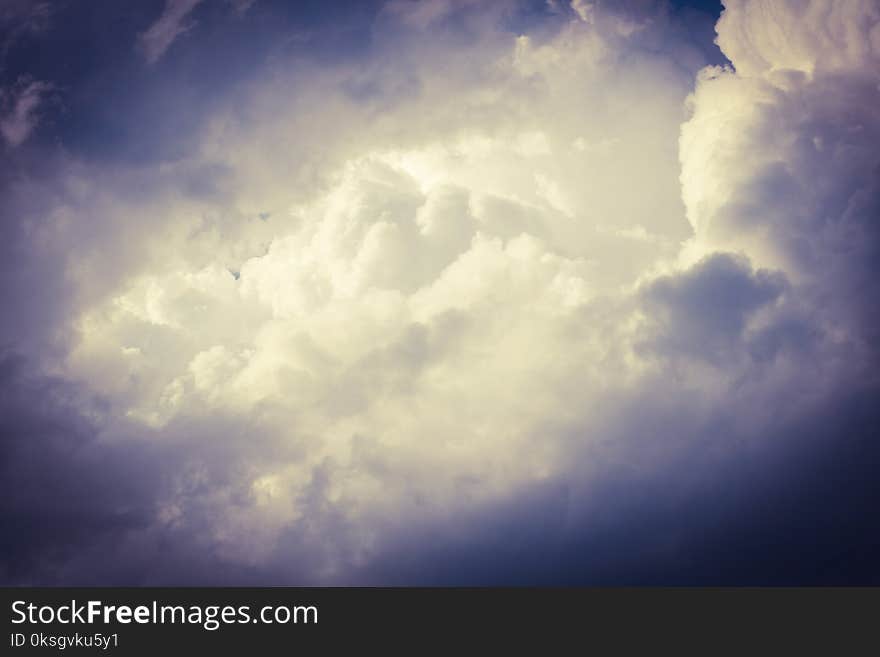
{"x": 585, "y": 10}
{"x": 421, "y": 282}
{"x": 758, "y": 152}
{"x": 813, "y": 35}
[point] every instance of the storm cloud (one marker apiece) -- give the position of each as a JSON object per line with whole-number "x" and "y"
{"x": 443, "y": 293}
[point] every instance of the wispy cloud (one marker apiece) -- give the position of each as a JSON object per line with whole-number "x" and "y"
{"x": 19, "y": 110}
{"x": 171, "y": 24}
{"x": 19, "y": 18}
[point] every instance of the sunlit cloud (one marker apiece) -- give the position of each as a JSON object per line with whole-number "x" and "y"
{"x": 494, "y": 286}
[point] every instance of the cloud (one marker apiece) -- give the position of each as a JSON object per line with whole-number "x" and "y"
{"x": 19, "y": 109}
{"x": 242, "y": 6}
{"x": 794, "y": 118}
{"x": 20, "y": 18}
{"x": 705, "y": 311}
{"x": 157, "y": 39}
{"x": 813, "y": 36}
{"x": 479, "y": 307}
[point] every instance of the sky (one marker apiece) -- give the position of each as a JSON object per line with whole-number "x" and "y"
{"x": 453, "y": 292}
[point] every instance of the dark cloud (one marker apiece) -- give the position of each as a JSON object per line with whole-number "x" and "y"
{"x": 61, "y": 489}
{"x": 704, "y": 312}
{"x": 434, "y": 386}
{"x": 81, "y": 501}
{"x": 795, "y": 508}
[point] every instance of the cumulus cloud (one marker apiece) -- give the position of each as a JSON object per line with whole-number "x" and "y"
{"x": 377, "y": 314}
{"x": 794, "y": 117}
{"x": 476, "y": 303}
{"x": 812, "y": 36}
